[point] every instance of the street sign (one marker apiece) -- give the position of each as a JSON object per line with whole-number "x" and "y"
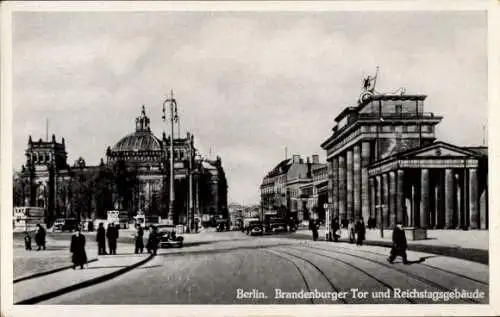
{"x": 325, "y": 206}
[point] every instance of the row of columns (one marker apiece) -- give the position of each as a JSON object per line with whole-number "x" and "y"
{"x": 387, "y": 197}
{"x": 388, "y": 205}
{"x": 349, "y": 193}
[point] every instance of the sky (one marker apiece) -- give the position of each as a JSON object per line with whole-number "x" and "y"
{"x": 247, "y": 84}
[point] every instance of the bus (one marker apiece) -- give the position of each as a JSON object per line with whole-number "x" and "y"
{"x": 26, "y": 218}
{"x": 119, "y": 217}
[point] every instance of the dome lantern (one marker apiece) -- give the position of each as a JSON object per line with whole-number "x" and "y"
{"x": 142, "y": 122}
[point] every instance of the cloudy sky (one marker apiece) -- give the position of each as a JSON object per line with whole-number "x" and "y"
{"x": 247, "y": 84}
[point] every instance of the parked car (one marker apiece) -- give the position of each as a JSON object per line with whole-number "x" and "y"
{"x": 278, "y": 227}
{"x": 256, "y": 230}
{"x": 169, "y": 236}
{"x": 65, "y": 224}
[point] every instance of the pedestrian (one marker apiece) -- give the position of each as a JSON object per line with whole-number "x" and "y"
{"x": 152, "y": 245}
{"x": 112, "y": 235}
{"x": 27, "y": 240}
{"x": 360, "y": 231}
{"x": 336, "y": 229}
{"x": 101, "y": 239}
{"x": 40, "y": 237}
{"x": 139, "y": 242}
{"x": 399, "y": 244}
{"x": 196, "y": 226}
{"x": 314, "y": 228}
{"x": 77, "y": 247}
{"x": 350, "y": 230}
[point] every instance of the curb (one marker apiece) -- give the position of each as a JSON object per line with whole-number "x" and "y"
{"x": 29, "y": 277}
{"x": 74, "y": 287}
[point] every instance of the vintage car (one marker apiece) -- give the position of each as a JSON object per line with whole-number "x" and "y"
{"x": 169, "y": 236}
{"x": 279, "y": 227}
{"x": 65, "y": 224}
{"x": 256, "y": 229}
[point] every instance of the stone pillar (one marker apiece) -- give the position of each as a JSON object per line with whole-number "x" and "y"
{"x": 335, "y": 187}
{"x": 400, "y": 196}
{"x": 413, "y": 212}
{"x": 392, "y": 199}
{"x": 473, "y": 198}
{"x": 448, "y": 198}
{"x": 378, "y": 201}
{"x": 459, "y": 200}
{"x": 438, "y": 201}
{"x": 385, "y": 199}
{"x": 373, "y": 197}
{"x": 350, "y": 183}
{"x": 342, "y": 188}
{"x": 357, "y": 181}
{"x": 365, "y": 187}
{"x": 424, "y": 198}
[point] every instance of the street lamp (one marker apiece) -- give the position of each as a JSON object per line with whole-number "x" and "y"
{"x": 173, "y": 117}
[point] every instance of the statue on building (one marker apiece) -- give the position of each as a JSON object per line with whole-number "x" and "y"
{"x": 368, "y": 88}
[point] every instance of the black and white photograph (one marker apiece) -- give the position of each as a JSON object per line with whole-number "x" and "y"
{"x": 291, "y": 155}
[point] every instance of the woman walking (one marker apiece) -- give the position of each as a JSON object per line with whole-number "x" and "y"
{"x": 77, "y": 247}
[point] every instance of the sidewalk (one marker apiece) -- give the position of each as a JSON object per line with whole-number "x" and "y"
{"x": 56, "y": 257}
{"x": 38, "y": 289}
{"x": 469, "y": 245}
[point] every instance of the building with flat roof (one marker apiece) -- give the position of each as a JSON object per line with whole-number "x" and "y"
{"x": 384, "y": 163}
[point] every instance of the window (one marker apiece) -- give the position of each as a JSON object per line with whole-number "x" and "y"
{"x": 399, "y": 109}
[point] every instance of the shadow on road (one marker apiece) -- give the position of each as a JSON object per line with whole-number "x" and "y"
{"x": 422, "y": 259}
{"x": 106, "y": 267}
{"x": 147, "y": 267}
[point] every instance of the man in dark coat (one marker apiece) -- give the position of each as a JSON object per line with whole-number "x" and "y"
{"x": 360, "y": 231}
{"x": 27, "y": 240}
{"x": 314, "y": 228}
{"x": 112, "y": 235}
{"x": 77, "y": 247}
{"x": 399, "y": 244}
{"x": 101, "y": 240}
{"x": 139, "y": 242}
{"x": 40, "y": 237}
{"x": 153, "y": 240}
{"x": 336, "y": 229}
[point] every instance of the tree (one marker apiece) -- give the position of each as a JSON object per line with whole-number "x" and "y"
{"x": 103, "y": 181}
{"x": 126, "y": 182}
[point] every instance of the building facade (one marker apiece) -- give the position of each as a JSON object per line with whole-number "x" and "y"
{"x": 200, "y": 184}
{"x": 384, "y": 163}
{"x": 293, "y": 189}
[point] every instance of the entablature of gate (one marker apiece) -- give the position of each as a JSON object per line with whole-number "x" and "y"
{"x": 359, "y": 136}
{"x": 437, "y": 163}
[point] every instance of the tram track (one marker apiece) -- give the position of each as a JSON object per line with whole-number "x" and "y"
{"x": 422, "y": 264}
{"x": 341, "y": 261}
{"x": 354, "y": 267}
{"x": 410, "y": 274}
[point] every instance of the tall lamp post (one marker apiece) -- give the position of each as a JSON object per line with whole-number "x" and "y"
{"x": 173, "y": 117}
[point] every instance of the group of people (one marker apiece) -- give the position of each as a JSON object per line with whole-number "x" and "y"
{"x": 152, "y": 243}
{"x": 356, "y": 231}
{"x": 40, "y": 236}
{"x": 111, "y": 233}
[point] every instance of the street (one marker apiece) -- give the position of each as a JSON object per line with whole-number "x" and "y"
{"x": 233, "y": 268}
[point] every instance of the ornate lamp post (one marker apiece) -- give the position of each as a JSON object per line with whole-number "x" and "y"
{"x": 173, "y": 117}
